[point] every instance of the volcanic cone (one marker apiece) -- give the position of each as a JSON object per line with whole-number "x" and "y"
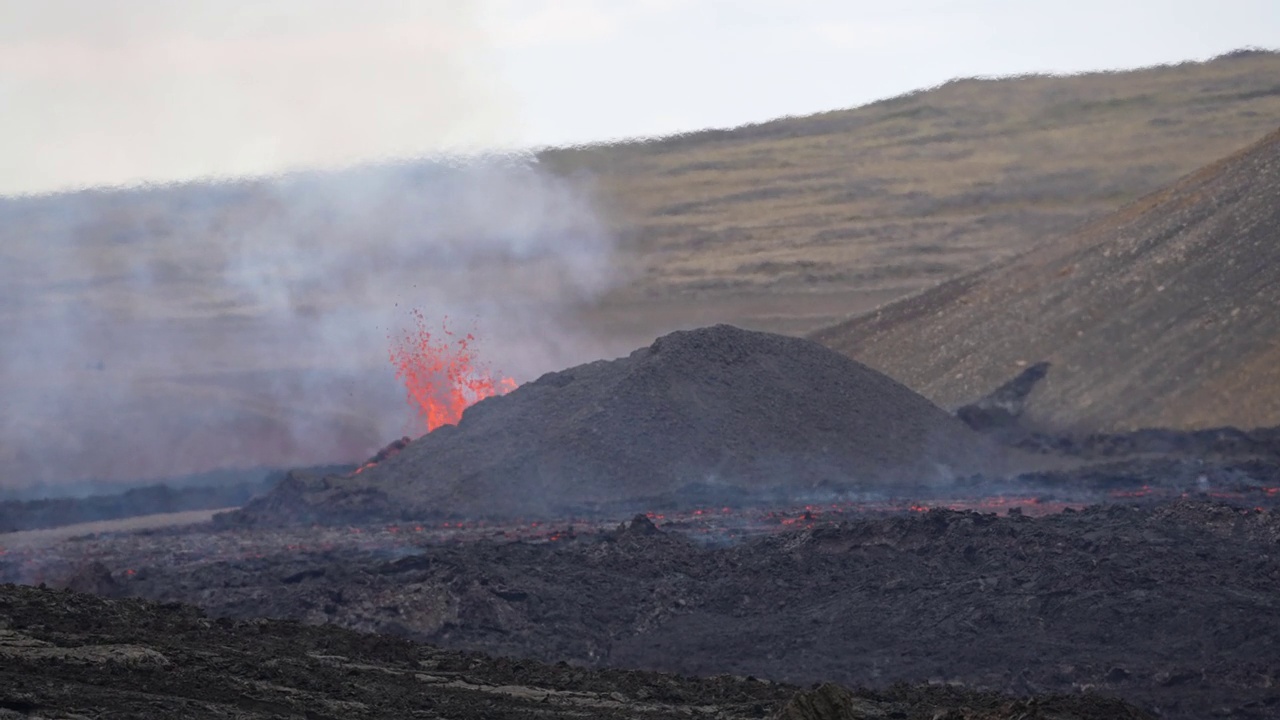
{"x": 709, "y": 416}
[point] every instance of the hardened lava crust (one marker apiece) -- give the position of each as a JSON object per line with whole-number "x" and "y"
{"x": 1167, "y": 605}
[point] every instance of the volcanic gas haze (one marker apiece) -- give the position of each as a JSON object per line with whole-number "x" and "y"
{"x": 158, "y": 331}
{"x": 331, "y": 186}
{"x": 712, "y": 415}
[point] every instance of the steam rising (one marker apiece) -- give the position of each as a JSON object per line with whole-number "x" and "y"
{"x": 152, "y": 332}
{"x": 159, "y": 330}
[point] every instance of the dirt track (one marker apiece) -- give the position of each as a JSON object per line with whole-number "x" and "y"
{"x": 45, "y": 536}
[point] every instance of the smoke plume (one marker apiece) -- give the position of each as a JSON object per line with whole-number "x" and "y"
{"x": 213, "y": 320}
{"x": 156, "y": 331}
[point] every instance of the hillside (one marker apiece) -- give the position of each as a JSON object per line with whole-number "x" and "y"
{"x": 245, "y": 324}
{"x": 1161, "y": 314}
{"x": 801, "y": 222}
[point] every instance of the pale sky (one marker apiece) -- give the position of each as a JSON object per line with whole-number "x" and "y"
{"x": 108, "y": 92}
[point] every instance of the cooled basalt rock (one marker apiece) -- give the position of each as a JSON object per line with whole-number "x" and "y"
{"x": 67, "y": 655}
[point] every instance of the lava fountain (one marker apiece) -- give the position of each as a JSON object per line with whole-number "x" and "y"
{"x": 441, "y": 374}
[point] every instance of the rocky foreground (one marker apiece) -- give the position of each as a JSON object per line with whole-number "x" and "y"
{"x": 70, "y": 655}
{"x": 1170, "y": 606}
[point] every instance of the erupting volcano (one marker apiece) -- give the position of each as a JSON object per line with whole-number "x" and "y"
{"x": 441, "y": 375}
{"x": 702, "y": 417}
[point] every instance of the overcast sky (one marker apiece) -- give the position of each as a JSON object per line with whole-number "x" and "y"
{"x": 96, "y": 92}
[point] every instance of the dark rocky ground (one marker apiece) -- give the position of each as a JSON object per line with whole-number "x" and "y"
{"x": 70, "y": 655}
{"x": 1169, "y": 605}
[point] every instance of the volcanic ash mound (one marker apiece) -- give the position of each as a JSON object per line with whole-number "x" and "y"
{"x": 703, "y": 416}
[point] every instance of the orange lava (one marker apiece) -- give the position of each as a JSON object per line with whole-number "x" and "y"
{"x": 389, "y": 451}
{"x": 441, "y": 375}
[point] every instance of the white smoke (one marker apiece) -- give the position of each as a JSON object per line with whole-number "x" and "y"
{"x": 153, "y": 332}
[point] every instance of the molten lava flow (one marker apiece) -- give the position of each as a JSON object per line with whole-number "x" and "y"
{"x": 389, "y": 451}
{"x": 441, "y": 376}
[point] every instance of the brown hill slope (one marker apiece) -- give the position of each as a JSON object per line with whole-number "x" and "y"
{"x": 802, "y": 222}
{"x": 1161, "y": 314}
